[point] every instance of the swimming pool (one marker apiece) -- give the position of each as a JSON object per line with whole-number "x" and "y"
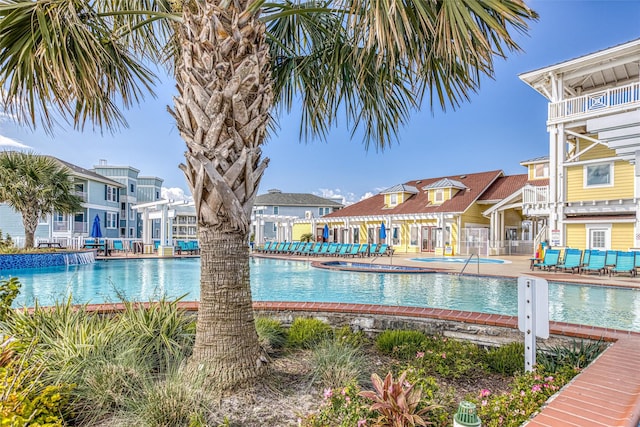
{"x": 462, "y": 260}
{"x": 285, "y": 280}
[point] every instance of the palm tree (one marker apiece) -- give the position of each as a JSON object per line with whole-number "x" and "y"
{"x": 35, "y": 185}
{"x": 234, "y": 61}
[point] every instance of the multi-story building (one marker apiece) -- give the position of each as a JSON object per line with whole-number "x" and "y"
{"x": 107, "y": 192}
{"x": 275, "y": 212}
{"x": 593, "y": 193}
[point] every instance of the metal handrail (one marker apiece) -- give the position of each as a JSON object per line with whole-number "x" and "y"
{"x": 467, "y": 263}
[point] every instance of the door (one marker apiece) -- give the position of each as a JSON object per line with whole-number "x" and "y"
{"x": 429, "y": 239}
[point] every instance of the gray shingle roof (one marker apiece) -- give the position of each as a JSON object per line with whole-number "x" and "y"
{"x": 294, "y": 199}
{"x": 77, "y": 170}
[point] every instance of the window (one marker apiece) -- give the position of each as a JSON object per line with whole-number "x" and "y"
{"x": 111, "y": 194}
{"x": 599, "y": 175}
{"x": 599, "y": 236}
{"x": 276, "y": 210}
{"x": 541, "y": 170}
{"x": 356, "y": 235}
{"x": 414, "y": 236}
{"x": 393, "y": 199}
{"x": 323, "y": 211}
{"x": 395, "y": 234}
{"x": 157, "y": 195}
{"x": 132, "y": 214}
{"x": 438, "y": 196}
{"x": 112, "y": 220}
{"x": 133, "y": 188}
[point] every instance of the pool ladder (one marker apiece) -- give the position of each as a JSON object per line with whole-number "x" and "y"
{"x": 467, "y": 263}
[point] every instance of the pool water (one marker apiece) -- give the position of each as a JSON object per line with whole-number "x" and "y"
{"x": 462, "y": 260}
{"x": 284, "y": 280}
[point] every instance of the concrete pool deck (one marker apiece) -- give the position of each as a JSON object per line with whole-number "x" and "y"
{"x": 605, "y": 394}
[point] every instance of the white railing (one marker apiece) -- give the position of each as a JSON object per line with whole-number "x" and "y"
{"x": 532, "y": 195}
{"x": 595, "y": 102}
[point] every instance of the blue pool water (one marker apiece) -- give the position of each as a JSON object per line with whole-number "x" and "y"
{"x": 462, "y": 260}
{"x": 283, "y": 280}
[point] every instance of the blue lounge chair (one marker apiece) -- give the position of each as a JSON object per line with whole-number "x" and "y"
{"x": 551, "y": 259}
{"x": 625, "y": 263}
{"x": 355, "y": 249}
{"x": 118, "y": 246}
{"x": 364, "y": 250}
{"x": 572, "y": 260}
{"x": 344, "y": 249}
{"x": 294, "y": 247}
{"x": 384, "y": 249}
{"x": 610, "y": 259}
{"x": 373, "y": 249}
{"x": 333, "y": 249}
{"x": 596, "y": 263}
{"x": 285, "y": 248}
{"x": 278, "y": 247}
{"x": 304, "y": 248}
{"x": 316, "y": 249}
{"x": 637, "y": 263}
{"x": 323, "y": 249}
{"x": 585, "y": 257}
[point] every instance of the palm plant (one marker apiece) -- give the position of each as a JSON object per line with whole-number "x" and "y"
{"x": 35, "y": 185}
{"x": 234, "y": 61}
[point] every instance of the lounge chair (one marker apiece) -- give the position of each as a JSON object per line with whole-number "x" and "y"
{"x": 637, "y": 263}
{"x": 323, "y": 249}
{"x": 625, "y": 263}
{"x": 572, "y": 261}
{"x": 285, "y": 248}
{"x": 596, "y": 263}
{"x": 278, "y": 248}
{"x": 344, "y": 249}
{"x": 118, "y": 246}
{"x": 585, "y": 257}
{"x": 373, "y": 249}
{"x": 364, "y": 250}
{"x": 384, "y": 250}
{"x": 333, "y": 249}
{"x": 610, "y": 259}
{"x": 551, "y": 259}
{"x": 355, "y": 249}
{"x": 304, "y": 248}
{"x": 316, "y": 249}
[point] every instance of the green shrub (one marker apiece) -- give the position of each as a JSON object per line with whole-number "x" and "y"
{"x": 507, "y": 359}
{"x": 347, "y": 336}
{"x": 577, "y": 355}
{"x": 401, "y": 343}
{"x": 307, "y": 332}
{"x": 9, "y": 290}
{"x": 529, "y": 392}
{"x": 336, "y": 364}
{"x": 450, "y": 358}
{"x": 271, "y": 333}
{"x": 26, "y": 399}
{"x": 6, "y": 243}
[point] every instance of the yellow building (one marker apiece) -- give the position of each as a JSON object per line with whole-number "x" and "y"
{"x": 443, "y": 215}
{"x": 591, "y": 200}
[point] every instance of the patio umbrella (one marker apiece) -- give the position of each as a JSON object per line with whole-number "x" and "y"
{"x": 95, "y": 229}
{"x": 325, "y": 232}
{"x": 383, "y": 231}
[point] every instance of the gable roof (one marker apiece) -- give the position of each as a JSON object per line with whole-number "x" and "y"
{"x": 85, "y": 173}
{"x": 400, "y": 188}
{"x": 446, "y": 183}
{"x": 476, "y": 184}
{"x": 294, "y": 199}
{"x": 504, "y": 187}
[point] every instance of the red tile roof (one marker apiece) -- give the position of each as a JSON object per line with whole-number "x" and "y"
{"x": 477, "y": 184}
{"x": 539, "y": 182}
{"x": 504, "y": 187}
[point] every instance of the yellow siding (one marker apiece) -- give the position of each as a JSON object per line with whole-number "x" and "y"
{"x": 622, "y": 236}
{"x": 598, "y": 151}
{"x": 299, "y": 229}
{"x": 576, "y": 236}
{"x": 474, "y": 215}
{"x": 623, "y": 182}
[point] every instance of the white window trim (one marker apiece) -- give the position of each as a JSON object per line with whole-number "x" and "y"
{"x": 584, "y": 175}
{"x": 545, "y": 168}
{"x": 606, "y": 227}
{"x": 436, "y": 193}
{"x": 393, "y": 199}
{"x": 112, "y": 220}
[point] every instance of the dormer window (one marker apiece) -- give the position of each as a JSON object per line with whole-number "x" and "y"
{"x": 541, "y": 170}
{"x": 438, "y": 196}
{"x": 393, "y": 199}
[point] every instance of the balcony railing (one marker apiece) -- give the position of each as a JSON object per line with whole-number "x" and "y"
{"x": 594, "y": 103}
{"x": 78, "y": 226}
{"x": 82, "y": 195}
{"x": 532, "y": 195}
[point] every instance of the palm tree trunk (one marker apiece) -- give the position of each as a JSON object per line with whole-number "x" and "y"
{"x": 30, "y": 223}
{"x": 225, "y": 97}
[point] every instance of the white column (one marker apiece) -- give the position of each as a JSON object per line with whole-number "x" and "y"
{"x": 636, "y": 195}
{"x": 163, "y": 226}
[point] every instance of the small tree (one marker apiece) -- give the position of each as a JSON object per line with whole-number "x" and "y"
{"x": 5, "y": 242}
{"x": 35, "y": 185}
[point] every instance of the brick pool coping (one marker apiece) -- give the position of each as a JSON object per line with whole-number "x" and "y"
{"x": 605, "y": 394}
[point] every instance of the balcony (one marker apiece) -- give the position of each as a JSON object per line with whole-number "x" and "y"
{"x": 82, "y": 195}
{"x": 535, "y": 200}
{"x": 63, "y": 226}
{"x": 595, "y": 104}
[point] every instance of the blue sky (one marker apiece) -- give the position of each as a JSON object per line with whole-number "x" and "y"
{"x": 502, "y": 125}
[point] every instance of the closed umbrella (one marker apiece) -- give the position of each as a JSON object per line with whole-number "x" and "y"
{"x": 95, "y": 229}
{"x": 325, "y": 232}
{"x": 383, "y": 231}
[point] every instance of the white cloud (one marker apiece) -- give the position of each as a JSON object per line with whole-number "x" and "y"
{"x": 175, "y": 193}
{"x": 366, "y": 195}
{"x": 8, "y": 142}
{"x": 337, "y": 195}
